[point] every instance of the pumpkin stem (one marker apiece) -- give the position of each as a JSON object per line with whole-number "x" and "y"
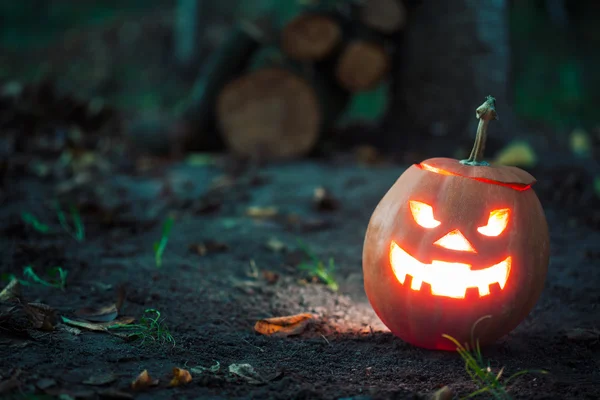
{"x": 484, "y": 113}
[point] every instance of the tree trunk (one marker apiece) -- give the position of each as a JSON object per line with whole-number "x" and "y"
{"x": 185, "y": 31}
{"x": 225, "y": 64}
{"x": 454, "y": 54}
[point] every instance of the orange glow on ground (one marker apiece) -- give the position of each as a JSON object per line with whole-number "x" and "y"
{"x": 423, "y": 214}
{"x": 455, "y": 241}
{"x": 496, "y": 223}
{"x": 447, "y": 279}
{"x": 515, "y": 186}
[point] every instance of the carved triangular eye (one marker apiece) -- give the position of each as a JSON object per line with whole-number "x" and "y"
{"x": 496, "y": 223}
{"x": 423, "y": 214}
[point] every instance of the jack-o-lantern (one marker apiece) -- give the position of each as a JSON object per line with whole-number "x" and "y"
{"x": 452, "y": 242}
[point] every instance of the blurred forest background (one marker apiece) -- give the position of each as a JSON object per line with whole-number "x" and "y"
{"x": 150, "y": 60}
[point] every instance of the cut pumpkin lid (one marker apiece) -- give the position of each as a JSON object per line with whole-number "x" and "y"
{"x": 512, "y": 177}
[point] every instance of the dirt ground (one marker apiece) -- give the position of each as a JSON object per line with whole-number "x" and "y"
{"x": 223, "y": 270}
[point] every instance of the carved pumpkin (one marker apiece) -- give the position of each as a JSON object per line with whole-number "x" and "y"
{"x": 454, "y": 241}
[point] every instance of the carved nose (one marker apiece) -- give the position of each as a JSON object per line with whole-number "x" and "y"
{"x": 455, "y": 240}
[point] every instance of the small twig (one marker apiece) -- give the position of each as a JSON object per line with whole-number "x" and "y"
{"x": 255, "y": 346}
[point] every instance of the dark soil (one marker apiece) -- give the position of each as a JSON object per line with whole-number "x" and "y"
{"x": 210, "y": 302}
{"x": 219, "y": 274}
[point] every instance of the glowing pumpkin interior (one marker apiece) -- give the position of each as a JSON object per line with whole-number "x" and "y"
{"x": 451, "y": 279}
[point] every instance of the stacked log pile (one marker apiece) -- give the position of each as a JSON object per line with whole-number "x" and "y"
{"x": 273, "y": 95}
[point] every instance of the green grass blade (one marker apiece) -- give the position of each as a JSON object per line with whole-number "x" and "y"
{"x": 317, "y": 269}
{"x": 517, "y": 374}
{"x": 61, "y": 274}
{"x": 79, "y": 233}
{"x": 10, "y": 277}
{"x": 62, "y": 219}
{"x": 309, "y": 253}
{"x": 167, "y": 226}
{"x": 149, "y": 328}
{"x": 161, "y": 245}
{"x": 30, "y": 219}
{"x": 476, "y": 393}
{"x": 79, "y": 227}
{"x": 480, "y": 373}
{"x": 30, "y": 275}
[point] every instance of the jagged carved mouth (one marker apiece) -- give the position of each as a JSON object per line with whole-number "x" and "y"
{"x": 447, "y": 279}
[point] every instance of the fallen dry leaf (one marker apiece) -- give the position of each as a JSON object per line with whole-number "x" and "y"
{"x": 247, "y": 372}
{"x": 209, "y": 246}
{"x": 445, "y": 393}
{"x": 42, "y": 316}
{"x": 275, "y": 245}
{"x": 6, "y": 312}
{"x": 270, "y": 276}
{"x": 284, "y": 326}
{"x": 198, "y": 370}
{"x": 11, "y": 291}
{"x": 143, "y": 381}
{"x": 98, "y": 326}
{"x": 252, "y": 271}
{"x": 101, "y": 314}
{"x": 180, "y": 377}
{"x": 262, "y": 212}
{"x": 99, "y": 380}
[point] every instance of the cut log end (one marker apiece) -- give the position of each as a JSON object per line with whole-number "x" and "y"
{"x": 270, "y": 114}
{"x": 310, "y": 37}
{"x": 362, "y": 66}
{"x": 385, "y": 16}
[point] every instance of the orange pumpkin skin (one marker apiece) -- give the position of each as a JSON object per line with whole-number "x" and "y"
{"x": 462, "y": 198}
